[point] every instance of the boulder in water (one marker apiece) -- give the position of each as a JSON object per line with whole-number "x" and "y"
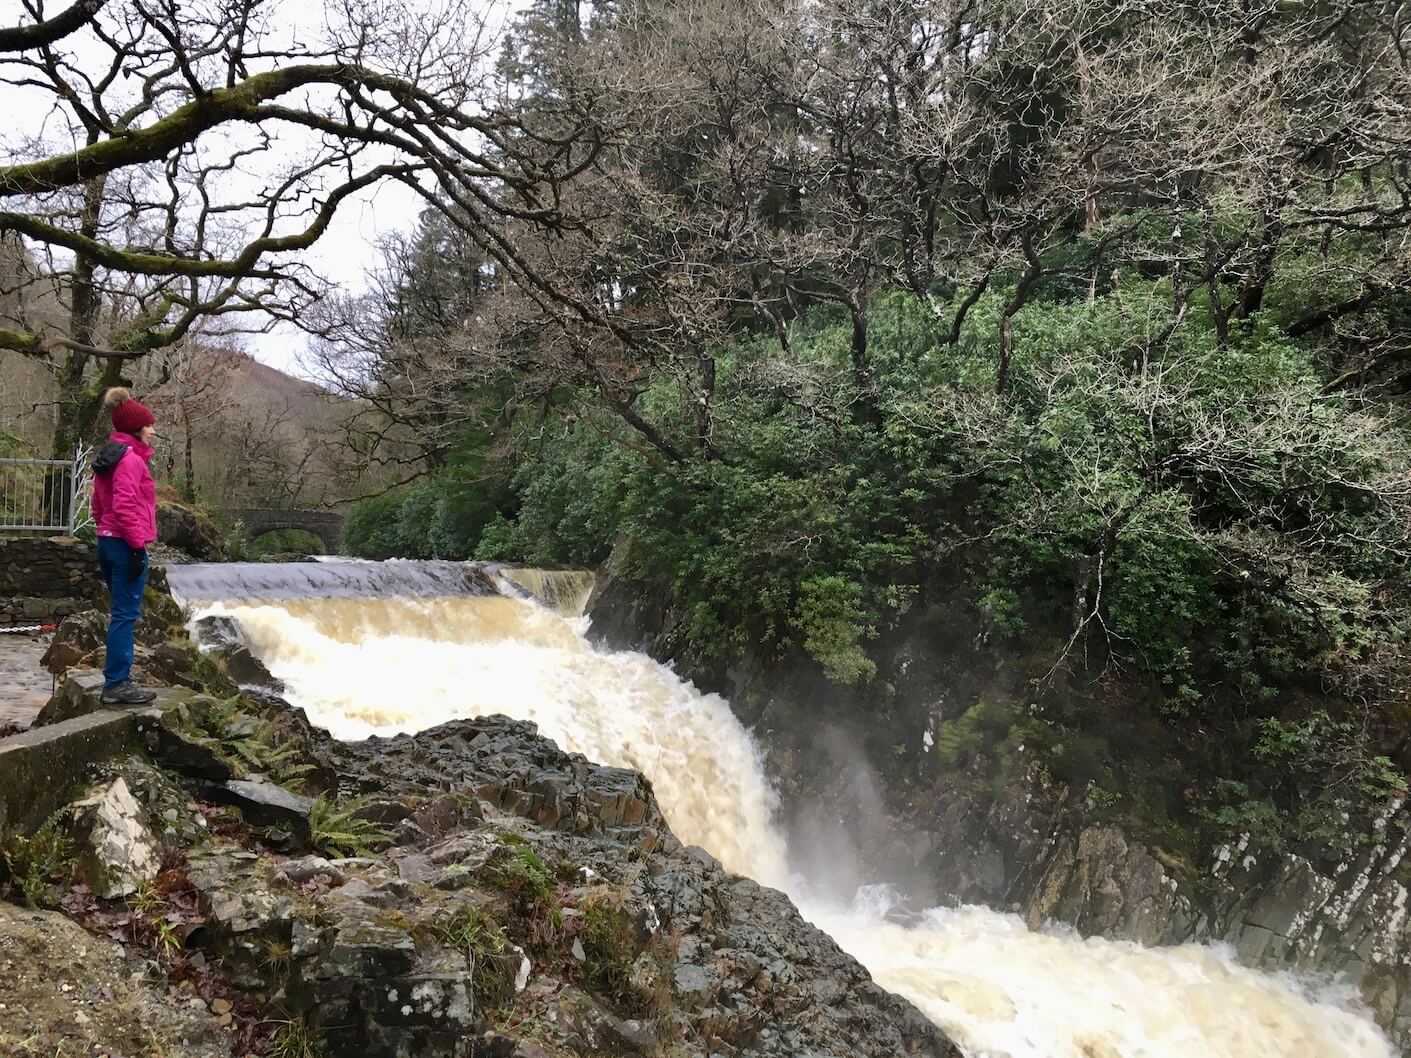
{"x": 225, "y": 642}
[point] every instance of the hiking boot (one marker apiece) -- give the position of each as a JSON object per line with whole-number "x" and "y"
{"x": 126, "y": 693}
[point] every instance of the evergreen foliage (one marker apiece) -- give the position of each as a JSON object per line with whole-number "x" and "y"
{"x": 1095, "y": 340}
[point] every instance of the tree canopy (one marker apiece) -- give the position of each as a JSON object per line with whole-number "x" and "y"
{"x": 1091, "y": 321}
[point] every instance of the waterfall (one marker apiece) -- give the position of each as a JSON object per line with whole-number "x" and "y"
{"x": 565, "y": 591}
{"x": 377, "y": 651}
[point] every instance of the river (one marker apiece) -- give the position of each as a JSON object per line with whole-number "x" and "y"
{"x": 377, "y": 651}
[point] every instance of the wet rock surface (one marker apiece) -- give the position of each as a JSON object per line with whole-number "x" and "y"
{"x": 264, "y": 804}
{"x": 24, "y": 684}
{"x": 469, "y": 891}
{"x": 652, "y": 946}
{"x": 1027, "y": 851}
{"x": 224, "y": 640}
{"x": 77, "y": 696}
{"x": 506, "y": 763}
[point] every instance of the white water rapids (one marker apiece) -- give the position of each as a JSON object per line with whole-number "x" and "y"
{"x": 363, "y": 666}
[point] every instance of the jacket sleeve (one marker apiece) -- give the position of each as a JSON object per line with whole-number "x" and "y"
{"x": 128, "y": 504}
{"x": 96, "y": 504}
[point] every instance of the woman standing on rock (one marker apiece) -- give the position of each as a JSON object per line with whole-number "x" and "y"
{"x": 125, "y": 512}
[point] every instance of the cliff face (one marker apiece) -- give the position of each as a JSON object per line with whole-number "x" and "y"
{"x": 1035, "y": 851}
{"x": 954, "y": 811}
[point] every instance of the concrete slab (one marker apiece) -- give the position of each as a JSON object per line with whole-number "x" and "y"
{"x": 81, "y": 692}
{"x": 39, "y": 768}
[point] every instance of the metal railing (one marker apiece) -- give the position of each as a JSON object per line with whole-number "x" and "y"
{"x": 46, "y": 495}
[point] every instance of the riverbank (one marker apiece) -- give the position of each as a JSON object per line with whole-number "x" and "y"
{"x": 472, "y": 891}
{"x": 412, "y": 681}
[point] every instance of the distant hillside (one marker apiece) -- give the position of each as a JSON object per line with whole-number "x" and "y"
{"x": 298, "y": 394}
{"x": 257, "y": 435}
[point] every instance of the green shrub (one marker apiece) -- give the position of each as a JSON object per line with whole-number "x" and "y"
{"x": 235, "y": 544}
{"x": 831, "y": 619}
{"x": 974, "y": 731}
{"x": 371, "y": 527}
{"x": 32, "y": 862}
{"x": 1201, "y": 521}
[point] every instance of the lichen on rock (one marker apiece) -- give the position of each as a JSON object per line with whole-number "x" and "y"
{"x": 116, "y": 850}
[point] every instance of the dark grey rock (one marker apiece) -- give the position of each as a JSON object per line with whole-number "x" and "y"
{"x": 224, "y": 640}
{"x": 187, "y": 530}
{"x": 77, "y": 636}
{"x": 264, "y": 804}
{"x": 235, "y": 886}
{"x": 78, "y": 695}
{"x": 220, "y": 630}
{"x": 594, "y": 1028}
{"x": 747, "y": 967}
{"x": 309, "y": 869}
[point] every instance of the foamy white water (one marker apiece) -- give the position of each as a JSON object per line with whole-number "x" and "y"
{"x": 364, "y": 666}
{"x": 999, "y": 989}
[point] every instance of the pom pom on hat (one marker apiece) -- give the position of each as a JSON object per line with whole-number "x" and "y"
{"x": 129, "y": 415}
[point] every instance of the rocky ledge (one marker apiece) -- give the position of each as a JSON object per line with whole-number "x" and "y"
{"x": 470, "y": 892}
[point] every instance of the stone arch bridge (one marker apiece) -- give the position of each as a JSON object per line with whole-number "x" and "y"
{"x": 326, "y": 525}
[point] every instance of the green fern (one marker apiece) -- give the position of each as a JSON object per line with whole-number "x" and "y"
{"x": 294, "y": 777}
{"x": 31, "y": 861}
{"x": 248, "y": 744}
{"x": 338, "y": 832}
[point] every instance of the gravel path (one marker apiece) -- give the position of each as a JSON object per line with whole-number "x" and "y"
{"x": 24, "y": 685}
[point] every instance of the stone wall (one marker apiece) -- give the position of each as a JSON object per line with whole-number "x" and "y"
{"x": 44, "y": 577}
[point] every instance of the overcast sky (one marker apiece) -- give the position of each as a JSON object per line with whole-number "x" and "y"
{"x": 349, "y": 247}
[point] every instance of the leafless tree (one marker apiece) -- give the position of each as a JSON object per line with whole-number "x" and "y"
{"x": 752, "y": 160}
{"x": 189, "y": 386}
{"x": 191, "y": 152}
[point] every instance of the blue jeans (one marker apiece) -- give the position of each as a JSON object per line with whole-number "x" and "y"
{"x": 115, "y": 561}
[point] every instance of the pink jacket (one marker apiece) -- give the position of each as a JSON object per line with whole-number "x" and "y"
{"x": 125, "y": 501}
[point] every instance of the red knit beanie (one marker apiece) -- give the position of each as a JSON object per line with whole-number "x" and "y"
{"x": 128, "y": 415}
